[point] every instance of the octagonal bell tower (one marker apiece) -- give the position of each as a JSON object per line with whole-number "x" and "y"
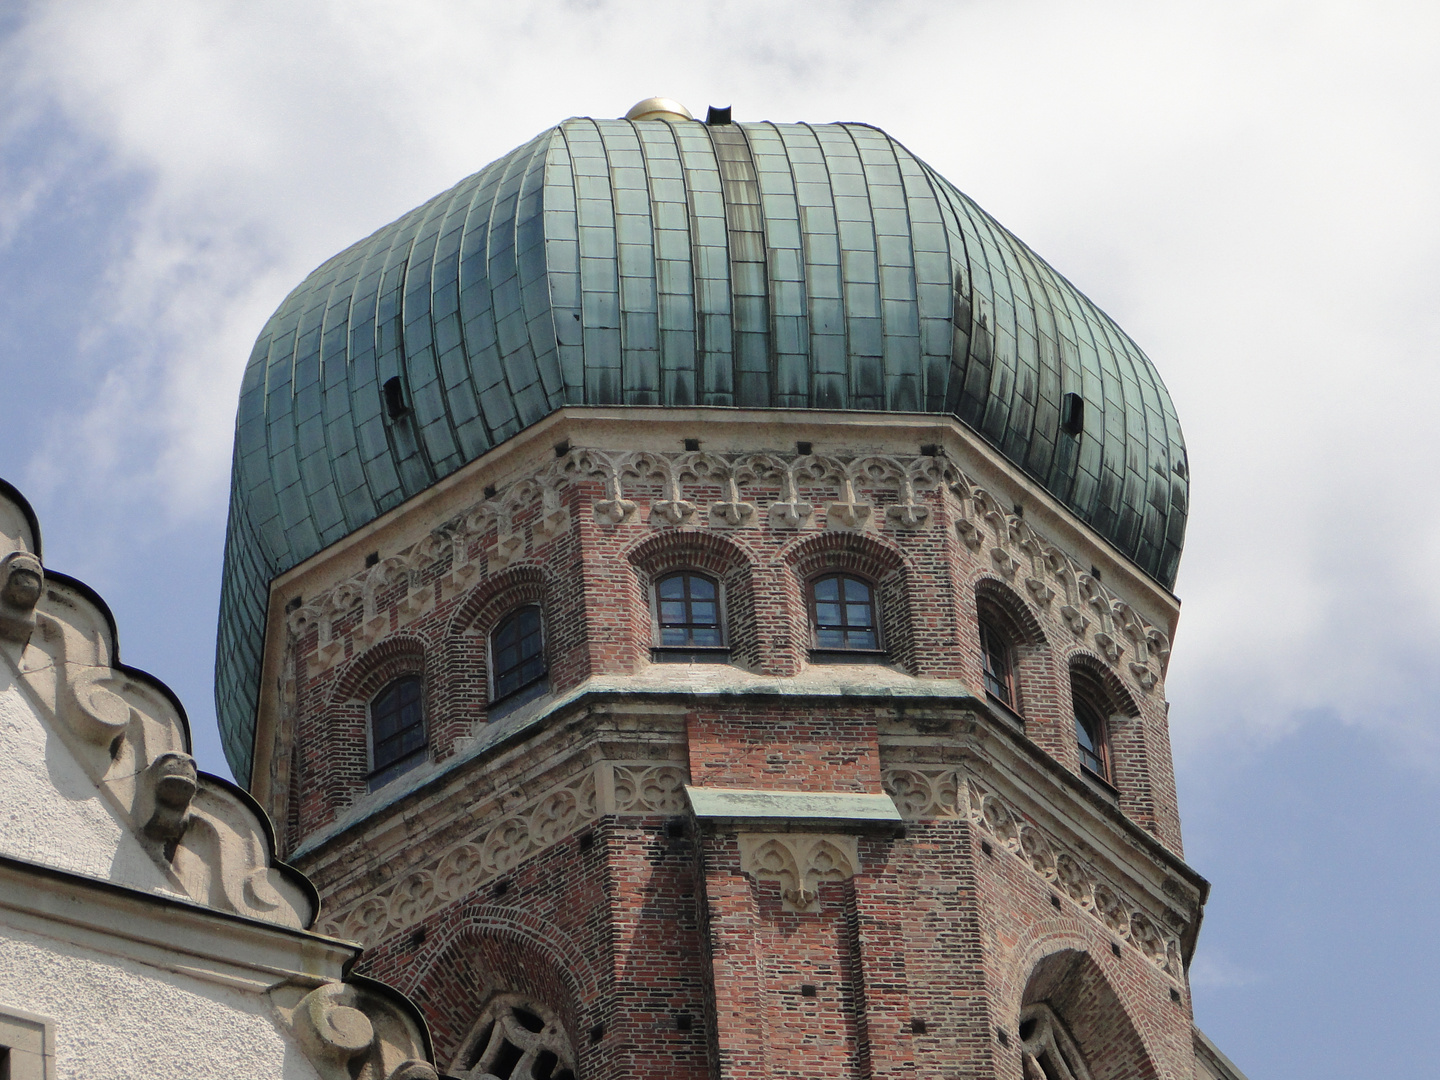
{"x": 697, "y": 600}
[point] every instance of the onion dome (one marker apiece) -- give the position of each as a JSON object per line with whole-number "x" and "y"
{"x": 664, "y": 261}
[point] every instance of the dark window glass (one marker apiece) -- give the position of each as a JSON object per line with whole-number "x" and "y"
{"x": 999, "y": 664}
{"x": 844, "y": 612}
{"x": 688, "y": 607}
{"x": 397, "y": 727}
{"x": 1090, "y": 734}
{"x": 518, "y": 651}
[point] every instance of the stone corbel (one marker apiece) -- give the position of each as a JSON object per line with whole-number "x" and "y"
{"x": 1074, "y": 619}
{"x": 671, "y": 511}
{"x": 418, "y": 600}
{"x": 614, "y": 509}
{"x": 554, "y": 518}
{"x": 1144, "y": 676}
{"x": 969, "y": 533}
{"x": 1042, "y": 592}
{"x": 463, "y": 571}
{"x": 789, "y": 511}
{"x": 800, "y": 862}
{"x": 733, "y": 512}
{"x": 907, "y": 515}
{"x": 790, "y": 515}
{"x": 351, "y": 1033}
{"x": 1004, "y": 561}
{"x": 847, "y": 516}
{"x": 848, "y": 513}
{"x": 908, "y": 512}
{"x": 328, "y": 648}
{"x": 1108, "y": 646}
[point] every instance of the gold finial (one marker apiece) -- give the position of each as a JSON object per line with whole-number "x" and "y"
{"x": 658, "y": 108}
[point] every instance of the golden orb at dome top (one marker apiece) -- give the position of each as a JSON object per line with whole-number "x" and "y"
{"x": 658, "y": 108}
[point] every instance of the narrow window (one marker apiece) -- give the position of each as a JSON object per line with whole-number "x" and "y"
{"x": 999, "y": 659}
{"x": 397, "y": 729}
{"x": 843, "y": 612}
{"x": 687, "y": 608}
{"x": 517, "y": 653}
{"x": 1090, "y": 734}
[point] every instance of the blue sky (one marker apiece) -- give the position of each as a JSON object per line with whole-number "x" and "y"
{"x": 1248, "y": 187}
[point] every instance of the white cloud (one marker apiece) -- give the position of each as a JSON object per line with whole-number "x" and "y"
{"x": 1247, "y": 187}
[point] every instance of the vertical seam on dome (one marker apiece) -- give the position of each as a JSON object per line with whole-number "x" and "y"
{"x": 805, "y": 356}
{"x": 890, "y": 359}
{"x": 635, "y": 366}
{"x": 666, "y": 390}
{"x": 732, "y": 190}
{"x": 714, "y": 379}
{"x": 930, "y": 396}
{"x": 476, "y": 197}
{"x": 840, "y": 379}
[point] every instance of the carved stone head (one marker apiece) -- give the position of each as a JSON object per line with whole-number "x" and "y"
{"x": 22, "y": 580}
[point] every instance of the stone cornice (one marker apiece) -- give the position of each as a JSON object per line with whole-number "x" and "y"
{"x": 166, "y": 932}
{"x": 1026, "y": 803}
{"x": 1138, "y": 650}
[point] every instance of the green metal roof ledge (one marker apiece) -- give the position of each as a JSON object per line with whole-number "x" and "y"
{"x": 651, "y": 262}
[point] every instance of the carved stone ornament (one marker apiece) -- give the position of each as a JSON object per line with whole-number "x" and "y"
{"x": 1067, "y": 871}
{"x": 799, "y": 862}
{"x": 1047, "y": 1052}
{"x": 125, "y": 732}
{"x": 351, "y": 1033}
{"x": 855, "y": 493}
{"x": 22, "y": 580}
{"x": 508, "y": 836}
{"x": 1087, "y": 607}
{"x": 514, "y": 1039}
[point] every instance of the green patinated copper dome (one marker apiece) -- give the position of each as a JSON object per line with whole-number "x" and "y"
{"x": 672, "y": 262}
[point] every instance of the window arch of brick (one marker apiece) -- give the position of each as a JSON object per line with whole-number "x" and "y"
{"x": 1101, "y": 706}
{"x": 709, "y": 553}
{"x": 500, "y": 953}
{"x": 869, "y": 558}
{"x": 333, "y": 756}
{"x": 1006, "y": 625}
{"x": 467, "y": 639}
{"x": 1070, "y": 988}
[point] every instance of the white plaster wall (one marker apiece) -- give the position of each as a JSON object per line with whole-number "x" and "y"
{"x": 115, "y": 1018}
{"x": 51, "y": 812}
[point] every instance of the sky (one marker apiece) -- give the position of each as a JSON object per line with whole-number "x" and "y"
{"x": 1249, "y": 188}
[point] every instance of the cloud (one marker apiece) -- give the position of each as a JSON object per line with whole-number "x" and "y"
{"x": 1247, "y": 187}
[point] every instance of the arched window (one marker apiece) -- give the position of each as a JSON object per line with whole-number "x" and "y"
{"x": 687, "y": 609}
{"x": 1091, "y": 735}
{"x": 842, "y": 614}
{"x": 515, "y": 1039}
{"x": 397, "y": 729}
{"x": 517, "y": 654}
{"x": 998, "y": 652}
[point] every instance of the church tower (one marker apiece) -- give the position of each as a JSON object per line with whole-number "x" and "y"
{"x": 697, "y": 603}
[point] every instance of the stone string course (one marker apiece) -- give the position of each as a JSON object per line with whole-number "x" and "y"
{"x": 922, "y": 793}
{"x": 1019, "y": 553}
{"x": 500, "y": 846}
